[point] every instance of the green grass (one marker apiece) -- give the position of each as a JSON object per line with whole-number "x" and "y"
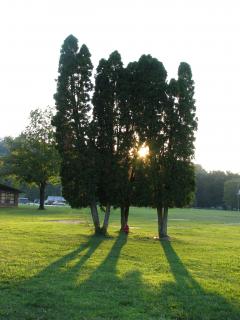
{"x": 51, "y": 270}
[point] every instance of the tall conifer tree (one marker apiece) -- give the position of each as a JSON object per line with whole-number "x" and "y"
{"x": 126, "y": 142}
{"x": 110, "y": 123}
{"x": 73, "y": 130}
{"x": 180, "y": 125}
{"x": 150, "y": 99}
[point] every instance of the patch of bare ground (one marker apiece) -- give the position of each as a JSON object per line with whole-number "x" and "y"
{"x": 68, "y": 221}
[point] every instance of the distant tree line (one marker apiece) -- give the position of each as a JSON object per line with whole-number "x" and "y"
{"x": 216, "y": 189}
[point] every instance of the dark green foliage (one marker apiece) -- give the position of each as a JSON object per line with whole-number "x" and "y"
{"x": 149, "y": 94}
{"x": 132, "y": 106}
{"x": 165, "y": 121}
{"x": 210, "y": 188}
{"x": 201, "y": 193}
{"x": 114, "y": 132}
{"x": 179, "y": 183}
{"x": 180, "y": 125}
{"x": 112, "y": 121}
{"x": 105, "y": 102}
{"x": 232, "y": 194}
{"x": 72, "y": 122}
{"x": 141, "y": 188}
{"x": 147, "y": 98}
{"x": 186, "y": 110}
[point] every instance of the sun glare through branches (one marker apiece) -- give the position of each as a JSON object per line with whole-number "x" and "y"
{"x": 143, "y": 151}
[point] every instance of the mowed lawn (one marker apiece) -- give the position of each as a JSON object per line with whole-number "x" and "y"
{"x": 51, "y": 267}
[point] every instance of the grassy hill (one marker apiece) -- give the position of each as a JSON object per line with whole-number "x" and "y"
{"x": 51, "y": 267}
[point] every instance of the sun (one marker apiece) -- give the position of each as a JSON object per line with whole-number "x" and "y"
{"x": 143, "y": 151}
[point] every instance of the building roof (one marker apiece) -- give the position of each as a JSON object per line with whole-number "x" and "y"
{"x": 7, "y": 188}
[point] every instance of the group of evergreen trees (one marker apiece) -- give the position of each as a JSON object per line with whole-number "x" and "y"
{"x": 100, "y": 129}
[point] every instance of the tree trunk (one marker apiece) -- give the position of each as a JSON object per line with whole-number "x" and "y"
{"x": 126, "y": 213}
{"x": 160, "y": 219}
{"x": 165, "y": 221}
{"x": 124, "y": 216}
{"x": 162, "y": 222}
{"x": 95, "y": 217}
{"x": 42, "y": 195}
{"x": 106, "y": 220}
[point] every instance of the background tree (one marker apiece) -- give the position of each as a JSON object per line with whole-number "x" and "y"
{"x": 32, "y": 156}
{"x": 3, "y": 146}
{"x": 201, "y": 192}
{"x": 210, "y": 187}
{"x": 231, "y": 193}
{"x": 74, "y": 134}
{"x": 30, "y": 191}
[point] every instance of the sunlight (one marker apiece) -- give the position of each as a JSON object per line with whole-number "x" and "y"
{"x": 143, "y": 151}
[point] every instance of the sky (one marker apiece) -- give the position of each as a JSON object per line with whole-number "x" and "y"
{"x": 205, "y": 34}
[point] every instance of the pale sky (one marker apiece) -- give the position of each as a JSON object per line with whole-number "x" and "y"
{"x": 206, "y": 34}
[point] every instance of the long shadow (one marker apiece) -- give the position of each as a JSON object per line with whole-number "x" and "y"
{"x": 186, "y": 299}
{"x": 55, "y": 293}
{"x": 114, "y": 296}
{"x": 77, "y": 287}
{"x": 44, "y": 292}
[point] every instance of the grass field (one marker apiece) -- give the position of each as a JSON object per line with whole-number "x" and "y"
{"x": 51, "y": 269}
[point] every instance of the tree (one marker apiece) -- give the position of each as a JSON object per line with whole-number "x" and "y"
{"x": 74, "y": 132}
{"x": 113, "y": 133}
{"x": 180, "y": 124}
{"x": 210, "y": 187}
{"x": 231, "y": 193}
{"x": 149, "y": 103}
{"x": 202, "y": 192}
{"x": 128, "y": 146}
{"x": 132, "y": 107}
{"x": 104, "y": 122}
{"x": 33, "y": 157}
{"x": 3, "y": 147}
{"x": 166, "y": 122}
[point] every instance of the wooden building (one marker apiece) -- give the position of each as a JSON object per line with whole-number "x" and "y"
{"x": 8, "y": 196}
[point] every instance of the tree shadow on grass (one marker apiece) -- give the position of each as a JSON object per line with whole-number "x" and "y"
{"x": 108, "y": 295}
{"x": 78, "y": 287}
{"x": 186, "y": 299}
{"x": 44, "y": 293}
{"x": 57, "y": 293}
